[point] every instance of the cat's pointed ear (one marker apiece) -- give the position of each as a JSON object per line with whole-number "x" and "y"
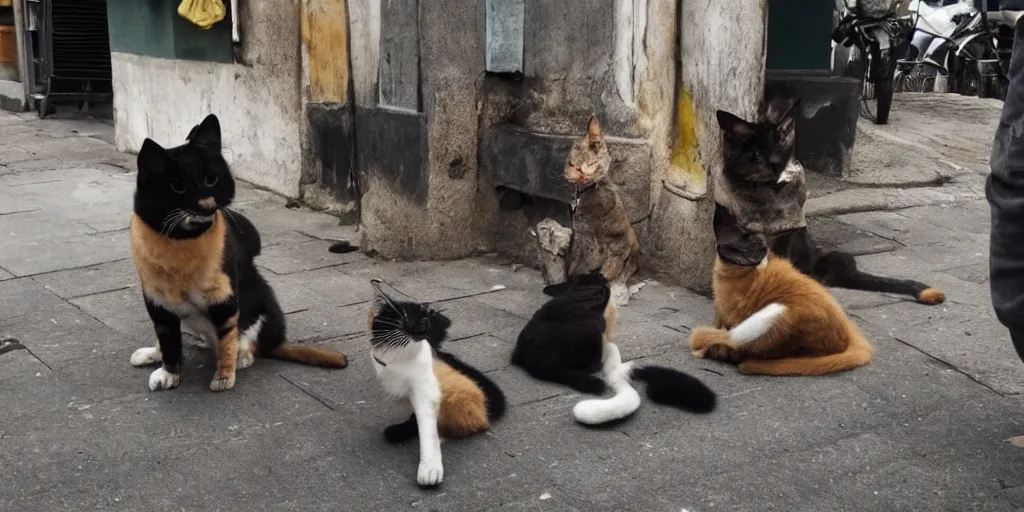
{"x": 380, "y": 299}
{"x": 192, "y": 133}
{"x": 152, "y": 160}
{"x": 723, "y": 219}
{"x": 594, "y": 130}
{"x": 734, "y": 244}
{"x": 207, "y": 135}
{"x": 732, "y": 125}
{"x": 787, "y": 123}
{"x": 727, "y": 226}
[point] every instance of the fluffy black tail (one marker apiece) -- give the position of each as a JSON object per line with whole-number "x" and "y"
{"x": 674, "y": 388}
{"x": 496, "y": 403}
{"x": 840, "y": 270}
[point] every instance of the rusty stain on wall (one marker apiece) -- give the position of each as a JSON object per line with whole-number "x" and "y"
{"x": 325, "y": 36}
{"x": 685, "y": 170}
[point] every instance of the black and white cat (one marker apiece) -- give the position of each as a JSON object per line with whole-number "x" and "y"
{"x": 448, "y": 397}
{"x": 568, "y": 341}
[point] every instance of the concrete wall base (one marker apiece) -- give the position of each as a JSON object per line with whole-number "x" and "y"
{"x": 12, "y": 96}
{"x": 827, "y": 126}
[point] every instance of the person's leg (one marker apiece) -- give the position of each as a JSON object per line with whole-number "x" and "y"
{"x": 1005, "y": 192}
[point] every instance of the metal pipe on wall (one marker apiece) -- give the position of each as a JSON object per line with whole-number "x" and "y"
{"x": 235, "y": 37}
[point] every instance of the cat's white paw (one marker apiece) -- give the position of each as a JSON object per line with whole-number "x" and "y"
{"x": 145, "y": 356}
{"x": 245, "y": 359}
{"x": 246, "y": 354}
{"x": 635, "y": 287}
{"x": 430, "y": 473}
{"x": 619, "y": 294}
{"x": 162, "y": 379}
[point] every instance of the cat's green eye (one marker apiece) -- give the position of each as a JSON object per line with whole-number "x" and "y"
{"x": 210, "y": 180}
{"x": 177, "y": 187}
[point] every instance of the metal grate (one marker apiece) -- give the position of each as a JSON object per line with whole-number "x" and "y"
{"x": 80, "y": 44}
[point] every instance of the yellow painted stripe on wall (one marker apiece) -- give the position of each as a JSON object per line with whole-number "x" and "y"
{"x": 685, "y": 170}
{"x": 325, "y": 35}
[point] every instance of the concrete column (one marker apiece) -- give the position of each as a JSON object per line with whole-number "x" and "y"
{"x": 328, "y": 166}
{"x": 722, "y": 54}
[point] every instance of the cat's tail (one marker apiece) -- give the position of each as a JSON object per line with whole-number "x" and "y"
{"x": 623, "y": 403}
{"x": 310, "y": 354}
{"x": 840, "y": 270}
{"x": 858, "y": 353}
{"x": 664, "y": 386}
{"x": 496, "y": 403}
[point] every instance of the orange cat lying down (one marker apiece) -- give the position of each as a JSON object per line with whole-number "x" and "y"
{"x": 770, "y": 318}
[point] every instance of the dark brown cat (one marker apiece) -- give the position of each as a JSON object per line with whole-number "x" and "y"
{"x": 764, "y": 187}
{"x": 602, "y": 236}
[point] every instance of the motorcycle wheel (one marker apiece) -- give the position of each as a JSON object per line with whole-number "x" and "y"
{"x": 884, "y": 70}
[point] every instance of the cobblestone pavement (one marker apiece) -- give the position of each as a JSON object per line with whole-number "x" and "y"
{"x": 920, "y": 428}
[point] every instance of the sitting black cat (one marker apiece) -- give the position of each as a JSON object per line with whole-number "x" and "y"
{"x": 568, "y": 341}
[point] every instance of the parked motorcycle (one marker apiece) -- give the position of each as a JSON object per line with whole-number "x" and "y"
{"x": 873, "y": 29}
{"x": 923, "y": 66}
{"x": 959, "y": 47}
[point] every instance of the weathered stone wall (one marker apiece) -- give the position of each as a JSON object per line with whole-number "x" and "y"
{"x": 405, "y": 131}
{"x": 721, "y": 56}
{"x": 449, "y": 159}
{"x": 257, "y": 100}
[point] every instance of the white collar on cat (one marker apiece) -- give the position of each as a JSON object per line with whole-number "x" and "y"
{"x": 792, "y": 170}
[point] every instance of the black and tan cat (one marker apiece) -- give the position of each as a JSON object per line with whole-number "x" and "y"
{"x": 770, "y": 318}
{"x": 194, "y": 258}
{"x": 763, "y": 187}
{"x": 602, "y": 236}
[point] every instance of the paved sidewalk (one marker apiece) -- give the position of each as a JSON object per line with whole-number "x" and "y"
{"x": 920, "y": 428}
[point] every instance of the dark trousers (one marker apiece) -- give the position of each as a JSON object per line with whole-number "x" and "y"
{"x": 1005, "y": 192}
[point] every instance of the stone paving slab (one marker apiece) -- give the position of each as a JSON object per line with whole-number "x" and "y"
{"x": 91, "y": 280}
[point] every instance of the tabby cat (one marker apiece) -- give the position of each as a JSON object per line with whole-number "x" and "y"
{"x": 194, "y": 258}
{"x": 770, "y": 318}
{"x": 568, "y": 340}
{"x": 601, "y": 233}
{"x": 765, "y": 190}
{"x": 448, "y": 397}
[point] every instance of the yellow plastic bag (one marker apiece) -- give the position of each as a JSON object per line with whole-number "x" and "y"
{"x": 203, "y": 13}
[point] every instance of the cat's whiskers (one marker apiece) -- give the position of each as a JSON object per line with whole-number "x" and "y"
{"x": 387, "y": 322}
{"x": 178, "y": 221}
{"x": 171, "y": 220}
{"x": 394, "y": 340}
{"x": 231, "y": 216}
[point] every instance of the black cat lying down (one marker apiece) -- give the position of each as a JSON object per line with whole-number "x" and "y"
{"x": 568, "y": 340}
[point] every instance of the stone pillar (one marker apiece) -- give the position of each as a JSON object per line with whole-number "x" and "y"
{"x": 328, "y": 175}
{"x": 416, "y": 138}
{"x": 722, "y": 55}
